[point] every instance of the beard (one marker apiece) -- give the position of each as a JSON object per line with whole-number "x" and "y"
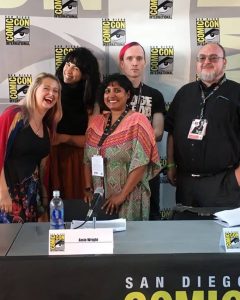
{"x": 207, "y": 76}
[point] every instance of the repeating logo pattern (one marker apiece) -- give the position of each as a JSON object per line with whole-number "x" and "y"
{"x": 65, "y": 8}
{"x": 18, "y": 86}
{"x": 160, "y": 9}
{"x": 17, "y": 30}
{"x": 113, "y": 32}
{"x": 161, "y": 60}
{"x": 57, "y": 242}
{"x": 60, "y": 53}
{"x": 208, "y": 31}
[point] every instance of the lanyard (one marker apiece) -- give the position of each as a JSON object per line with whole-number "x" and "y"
{"x": 204, "y": 99}
{"x": 139, "y": 97}
{"x": 110, "y": 128}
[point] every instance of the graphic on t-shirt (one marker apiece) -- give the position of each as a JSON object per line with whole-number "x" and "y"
{"x": 142, "y": 104}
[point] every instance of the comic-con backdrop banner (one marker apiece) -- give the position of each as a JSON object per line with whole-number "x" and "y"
{"x": 126, "y": 277}
{"x": 36, "y": 35}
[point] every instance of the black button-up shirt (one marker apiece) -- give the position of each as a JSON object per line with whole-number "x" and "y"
{"x": 220, "y": 147}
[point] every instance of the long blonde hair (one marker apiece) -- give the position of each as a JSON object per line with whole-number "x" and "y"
{"x": 54, "y": 114}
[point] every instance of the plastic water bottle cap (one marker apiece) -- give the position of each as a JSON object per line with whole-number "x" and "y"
{"x": 56, "y": 194}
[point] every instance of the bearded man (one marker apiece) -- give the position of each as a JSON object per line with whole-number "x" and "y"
{"x": 203, "y": 164}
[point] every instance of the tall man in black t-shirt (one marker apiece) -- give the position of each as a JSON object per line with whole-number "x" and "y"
{"x": 204, "y": 163}
{"x": 146, "y": 100}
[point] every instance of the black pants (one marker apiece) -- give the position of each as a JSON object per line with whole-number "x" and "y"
{"x": 220, "y": 190}
{"x": 154, "y": 200}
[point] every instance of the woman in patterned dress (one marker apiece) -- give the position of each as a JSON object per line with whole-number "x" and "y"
{"x": 125, "y": 140}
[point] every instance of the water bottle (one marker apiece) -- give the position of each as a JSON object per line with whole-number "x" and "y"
{"x": 56, "y": 212}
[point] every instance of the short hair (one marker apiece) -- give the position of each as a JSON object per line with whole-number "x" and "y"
{"x": 122, "y": 80}
{"x": 223, "y": 50}
{"x": 127, "y": 46}
{"x": 54, "y": 114}
{"x": 219, "y": 45}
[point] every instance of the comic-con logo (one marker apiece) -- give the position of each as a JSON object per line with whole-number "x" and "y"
{"x": 160, "y": 9}
{"x": 208, "y": 31}
{"x": 65, "y": 8}
{"x": 17, "y": 30}
{"x": 114, "y": 32}
{"x": 232, "y": 240}
{"x": 60, "y": 53}
{"x": 18, "y": 86}
{"x": 161, "y": 60}
{"x": 57, "y": 242}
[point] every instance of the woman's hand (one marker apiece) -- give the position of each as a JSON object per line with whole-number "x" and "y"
{"x": 5, "y": 202}
{"x": 5, "y": 199}
{"x": 88, "y": 195}
{"x": 113, "y": 203}
{"x": 60, "y": 139}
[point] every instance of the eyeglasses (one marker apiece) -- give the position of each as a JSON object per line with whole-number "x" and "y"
{"x": 212, "y": 58}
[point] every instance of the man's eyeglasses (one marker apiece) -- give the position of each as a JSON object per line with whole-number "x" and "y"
{"x": 211, "y": 58}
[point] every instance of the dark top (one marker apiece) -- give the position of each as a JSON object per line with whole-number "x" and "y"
{"x": 26, "y": 154}
{"x": 75, "y": 116}
{"x": 151, "y": 101}
{"x": 220, "y": 147}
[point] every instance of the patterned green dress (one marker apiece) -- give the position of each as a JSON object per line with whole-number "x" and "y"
{"x": 130, "y": 146}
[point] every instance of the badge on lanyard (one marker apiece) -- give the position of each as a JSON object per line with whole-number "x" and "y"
{"x": 97, "y": 166}
{"x": 197, "y": 129}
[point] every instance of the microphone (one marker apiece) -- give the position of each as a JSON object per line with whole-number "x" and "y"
{"x": 97, "y": 196}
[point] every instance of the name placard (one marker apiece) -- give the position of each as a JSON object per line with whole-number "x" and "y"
{"x": 231, "y": 239}
{"x": 80, "y": 241}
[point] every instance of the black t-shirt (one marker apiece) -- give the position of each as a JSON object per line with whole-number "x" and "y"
{"x": 220, "y": 147}
{"x": 26, "y": 154}
{"x": 151, "y": 101}
{"x": 75, "y": 115}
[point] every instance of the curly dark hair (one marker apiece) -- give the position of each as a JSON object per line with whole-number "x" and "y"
{"x": 84, "y": 59}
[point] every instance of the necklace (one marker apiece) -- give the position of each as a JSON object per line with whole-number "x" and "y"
{"x": 110, "y": 128}
{"x": 37, "y": 127}
{"x": 139, "y": 96}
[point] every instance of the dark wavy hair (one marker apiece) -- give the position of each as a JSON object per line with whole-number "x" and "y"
{"x": 84, "y": 59}
{"x": 122, "y": 80}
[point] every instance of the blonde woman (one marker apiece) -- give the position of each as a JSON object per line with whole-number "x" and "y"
{"x": 25, "y": 133}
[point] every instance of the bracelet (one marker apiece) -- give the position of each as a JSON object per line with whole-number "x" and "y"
{"x": 170, "y": 166}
